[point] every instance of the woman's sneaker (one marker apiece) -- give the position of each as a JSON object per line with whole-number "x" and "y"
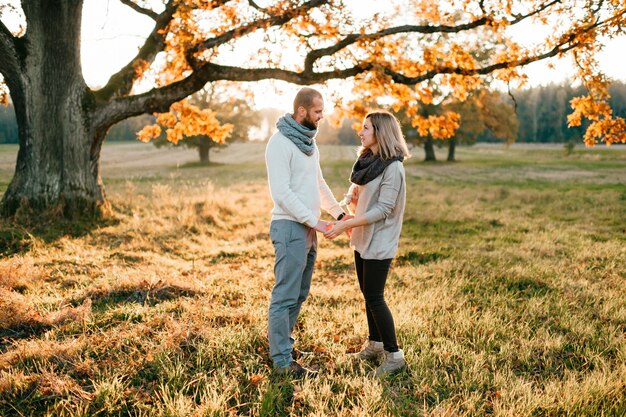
{"x": 394, "y": 362}
{"x": 371, "y": 350}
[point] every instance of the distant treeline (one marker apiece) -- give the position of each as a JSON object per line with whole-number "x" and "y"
{"x": 8, "y": 125}
{"x": 541, "y": 113}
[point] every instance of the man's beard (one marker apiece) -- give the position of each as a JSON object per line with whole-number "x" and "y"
{"x": 309, "y": 123}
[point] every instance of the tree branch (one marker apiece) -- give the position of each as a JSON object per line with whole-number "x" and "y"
{"x": 481, "y": 4}
{"x": 259, "y": 8}
{"x": 150, "y": 13}
{"x": 160, "y": 99}
{"x": 7, "y": 43}
{"x": 121, "y": 83}
{"x": 10, "y": 62}
{"x": 598, "y": 8}
{"x": 278, "y": 20}
{"x": 316, "y": 54}
{"x": 558, "y": 49}
{"x": 519, "y": 18}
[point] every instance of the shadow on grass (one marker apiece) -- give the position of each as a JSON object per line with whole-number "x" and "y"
{"x": 336, "y": 264}
{"x": 19, "y": 236}
{"x": 22, "y": 330}
{"x": 141, "y": 293}
{"x": 552, "y": 362}
{"x": 419, "y": 258}
{"x": 198, "y": 164}
{"x": 516, "y": 290}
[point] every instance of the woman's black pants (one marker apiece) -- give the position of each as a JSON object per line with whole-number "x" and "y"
{"x": 372, "y": 274}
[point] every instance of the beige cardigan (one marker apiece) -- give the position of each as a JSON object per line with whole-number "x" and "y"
{"x": 381, "y": 201}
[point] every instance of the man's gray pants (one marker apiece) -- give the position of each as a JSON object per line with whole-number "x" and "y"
{"x": 295, "y": 247}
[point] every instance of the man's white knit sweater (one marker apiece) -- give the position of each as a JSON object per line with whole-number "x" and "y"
{"x": 296, "y": 183}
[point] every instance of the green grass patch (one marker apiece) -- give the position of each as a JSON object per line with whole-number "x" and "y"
{"x": 507, "y": 293}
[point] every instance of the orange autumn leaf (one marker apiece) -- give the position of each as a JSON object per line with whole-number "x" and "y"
{"x": 185, "y": 120}
{"x": 140, "y": 66}
{"x": 256, "y": 379}
{"x": 148, "y": 133}
{"x": 166, "y": 119}
{"x": 4, "y": 94}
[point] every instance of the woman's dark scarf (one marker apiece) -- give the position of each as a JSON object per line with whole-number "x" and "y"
{"x": 301, "y": 136}
{"x": 369, "y": 166}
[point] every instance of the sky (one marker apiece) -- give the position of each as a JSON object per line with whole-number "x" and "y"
{"x": 112, "y": 34}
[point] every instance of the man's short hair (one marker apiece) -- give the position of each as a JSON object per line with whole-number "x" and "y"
{"x": 305, "y": 98}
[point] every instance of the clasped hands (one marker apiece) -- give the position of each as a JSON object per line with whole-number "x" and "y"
{"x": 333, "y": 229}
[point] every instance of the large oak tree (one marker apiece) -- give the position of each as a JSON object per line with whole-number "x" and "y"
{"x": 400, "y": 55}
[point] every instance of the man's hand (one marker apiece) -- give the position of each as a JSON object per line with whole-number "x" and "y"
{"x": 337, "y": 229}
{"x": 344, "y": 225}
{"x": 323, "y": 226}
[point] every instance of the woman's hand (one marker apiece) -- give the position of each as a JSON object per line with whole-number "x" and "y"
{"x": 345, "y": 219}
{"x": 339, "y": 227}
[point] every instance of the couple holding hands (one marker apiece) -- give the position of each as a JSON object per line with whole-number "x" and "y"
{"x": 376, "y": 199}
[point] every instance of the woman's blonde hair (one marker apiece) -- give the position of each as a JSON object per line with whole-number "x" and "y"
{"x": 388, "y": 134}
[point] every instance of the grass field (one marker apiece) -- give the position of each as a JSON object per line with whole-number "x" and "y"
{"x": 509, "y": 293}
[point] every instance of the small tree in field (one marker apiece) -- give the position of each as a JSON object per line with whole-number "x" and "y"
{"x": 233, "y": 111}
{"x": 483, "y": 110}
{"x": 436, "y": 115}
{"x": 400, "y": 55}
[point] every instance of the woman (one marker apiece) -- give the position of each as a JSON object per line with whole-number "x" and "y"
{"x": 378, "y": 186}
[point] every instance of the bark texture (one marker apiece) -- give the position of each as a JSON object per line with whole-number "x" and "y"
{"x": 58, "y": 161}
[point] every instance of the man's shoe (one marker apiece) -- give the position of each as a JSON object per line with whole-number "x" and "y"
{"x": 296, "y": 370}
{"x": 296, "y": 354}
{"x": 394, "y": 362}
{"x": 371, "y": 350}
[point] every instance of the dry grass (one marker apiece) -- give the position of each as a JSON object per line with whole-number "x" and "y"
{"x": 508, "y": 293}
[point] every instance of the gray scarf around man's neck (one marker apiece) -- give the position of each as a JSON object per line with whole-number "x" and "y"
{"x": 301, "y": 136}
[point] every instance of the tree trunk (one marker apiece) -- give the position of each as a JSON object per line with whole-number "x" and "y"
{"x": 451, "y": 149}
{"x": 58, "y": 165}
{"x": 204, "y": 147}
{"x": 429, "y": 150}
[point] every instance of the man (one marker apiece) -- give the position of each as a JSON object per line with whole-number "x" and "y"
{"x": 299, "y": 193}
